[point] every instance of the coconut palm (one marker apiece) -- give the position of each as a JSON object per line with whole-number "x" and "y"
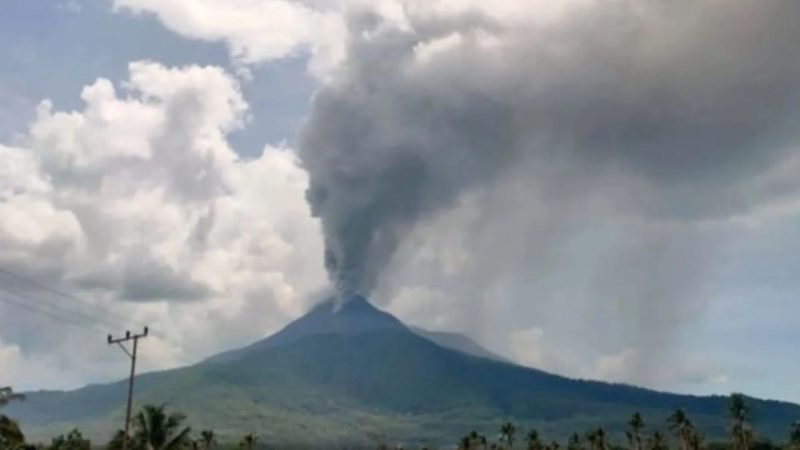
{"x": 532, "y": 441}
{"x": 248, "y": 442}
{"x": 741, "y": 433}
{"x": 680, "y": 424}
{"x": 475, "y": 439}
{"x": 116, "y": 441}
{"x": 507, "y": 434}
{"x": 7, "y": 395}
{"x": 634, "y": 433}
{"x": 695, "y": 440}
{"x": 597, "y": 439}
{"x": 657, "y": 442}
{"x": 208, "y": 439}
{"x": 574, "y": 442}
{"x": 154, "y": 429}
{"x": 591, "y": 438}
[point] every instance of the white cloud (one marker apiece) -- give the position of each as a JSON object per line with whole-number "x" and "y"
{"x": 138, "y": 204}
{"x": 254, "y": 30}
{"x": 262, "y": 30}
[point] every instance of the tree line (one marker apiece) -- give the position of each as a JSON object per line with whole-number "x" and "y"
{"x": 680, "y": 428}
{"x": 156, "y": 429}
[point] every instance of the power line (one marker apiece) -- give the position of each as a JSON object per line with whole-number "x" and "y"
{"x": 31, "y": 309}
{"x": 57, "y": 307}
{"x": 111, "y": 317}
{"x": 109, "y": 314}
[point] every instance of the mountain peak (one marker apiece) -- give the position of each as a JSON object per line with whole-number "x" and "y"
{"x": 345, "y": 305}
{"x": 349, "y": 316}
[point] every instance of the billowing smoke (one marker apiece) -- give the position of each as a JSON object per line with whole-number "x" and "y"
{"x": 689, "y": 105}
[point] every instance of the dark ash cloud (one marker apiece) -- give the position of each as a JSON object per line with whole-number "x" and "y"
{"x": 682, "y": 102}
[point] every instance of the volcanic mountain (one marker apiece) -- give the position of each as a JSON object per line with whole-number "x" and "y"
{"x": 351, "y": 374}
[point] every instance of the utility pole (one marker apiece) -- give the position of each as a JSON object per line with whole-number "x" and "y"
{"x": 132, "y": 355}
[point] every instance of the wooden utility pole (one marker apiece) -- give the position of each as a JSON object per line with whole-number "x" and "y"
{"x": 132, "y": 355}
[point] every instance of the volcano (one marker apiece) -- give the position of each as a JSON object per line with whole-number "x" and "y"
{"x": 352, "y": 375}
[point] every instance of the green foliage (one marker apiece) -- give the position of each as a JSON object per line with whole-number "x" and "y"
{"x": 575, "y": 442}
{"x": 154, "y": 429}
{"x": 634, "y": 431}
{"x": 741, "y": 433}
{"x": 532, "y": 441}
{"x": 74, "y": 440}
{"x": 116, "y": 442}
{"x": 248, "y": 442}
{"x": 507, "y": 434}
{"x": 658, "y": 441}
{"x": 11, "y": 436}
{"x": 208, "y": 439}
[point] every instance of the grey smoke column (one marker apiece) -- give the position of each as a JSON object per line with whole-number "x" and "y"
{"x": 678, "y": 97}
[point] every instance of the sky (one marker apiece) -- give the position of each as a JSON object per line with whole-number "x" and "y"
{"x": 600, "y": 189}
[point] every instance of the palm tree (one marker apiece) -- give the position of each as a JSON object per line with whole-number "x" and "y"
{"x": 208, "y": 439}
{"x": 532, "y": 440}
{"x": 507, "y": 434}
{"x": 695, "y": 441}
{"x": 156, "y": 430}
{"x": 7, "y": 395}
{"x": 574, "y": 442}
{"x": 657, "y": 442}
{"x": 741, "y": 433}
{"x": 634, "y": 433}
{"x": 10, "y": 434}
{"x": 475, "y": 438}
{"x": 72, "y": 441}
{"x": 116, "y": 441}
{"x": 248, "y": 441}
{"x": 597, "y": 439}
{"x": 591, "y": 438}
{"x": 680, "y": 424}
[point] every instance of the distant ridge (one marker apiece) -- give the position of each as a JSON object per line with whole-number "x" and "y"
{"x": 458, "y": 342}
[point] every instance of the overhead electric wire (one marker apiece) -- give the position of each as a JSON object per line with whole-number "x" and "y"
{"x": 111, "y": 317}
{"x": 55, "y": 306}
{"x": 109, "y": 314}
{"x": 34, "y": 310}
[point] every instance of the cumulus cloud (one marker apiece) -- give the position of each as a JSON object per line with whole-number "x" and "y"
{"x": 254, "y": 30}
{"x": 138, "y": 197}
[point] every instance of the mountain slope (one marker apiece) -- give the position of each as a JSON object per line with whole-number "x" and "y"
{"x": 341, "y": 374}
{"x": 457, "y": 342}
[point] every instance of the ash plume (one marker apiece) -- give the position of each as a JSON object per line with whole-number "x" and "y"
{"x": 681, "y": 102}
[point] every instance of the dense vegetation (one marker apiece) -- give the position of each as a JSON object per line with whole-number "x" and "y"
{"x": 153, "y": 428}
